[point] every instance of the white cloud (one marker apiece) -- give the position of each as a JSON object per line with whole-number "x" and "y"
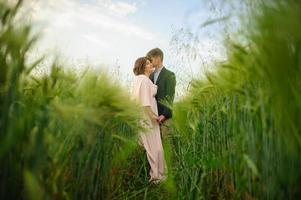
{"x": 96, "y": 40}
{"x": 100, "y": 31}
{"x": 119, "y": 7}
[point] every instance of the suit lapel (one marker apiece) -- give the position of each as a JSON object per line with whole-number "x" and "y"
{"x": 163, "y": 70}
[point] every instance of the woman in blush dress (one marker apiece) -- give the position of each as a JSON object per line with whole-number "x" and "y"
{"x": 144, "y": 92}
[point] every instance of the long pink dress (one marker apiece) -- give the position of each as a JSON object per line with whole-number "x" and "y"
{"x": 144, "y": 91}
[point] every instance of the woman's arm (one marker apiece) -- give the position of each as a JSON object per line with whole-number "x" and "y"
{"x": 148, "y": 111}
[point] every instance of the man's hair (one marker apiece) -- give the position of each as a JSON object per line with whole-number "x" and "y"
{"x": 155, "y": 52}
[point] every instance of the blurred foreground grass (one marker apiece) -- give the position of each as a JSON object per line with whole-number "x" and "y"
{"x": 236, "y": 135}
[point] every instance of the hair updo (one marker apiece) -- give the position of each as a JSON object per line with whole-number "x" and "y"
{"x": 140, "y": 65}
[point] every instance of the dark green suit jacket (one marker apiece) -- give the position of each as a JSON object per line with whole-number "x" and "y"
{"x": 166, "y": 83}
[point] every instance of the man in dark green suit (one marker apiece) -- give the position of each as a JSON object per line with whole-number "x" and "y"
{"x": 166, "y": 82}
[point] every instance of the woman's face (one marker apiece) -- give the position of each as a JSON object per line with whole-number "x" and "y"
{"x": 148, "y": 67}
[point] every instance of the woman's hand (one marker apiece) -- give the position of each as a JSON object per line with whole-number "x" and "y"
{"x": 153, "y": 117}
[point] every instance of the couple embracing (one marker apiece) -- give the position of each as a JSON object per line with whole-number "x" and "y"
{"x": 154, "y": 86}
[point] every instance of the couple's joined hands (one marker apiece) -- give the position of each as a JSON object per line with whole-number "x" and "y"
{"x": 160, "y": 119}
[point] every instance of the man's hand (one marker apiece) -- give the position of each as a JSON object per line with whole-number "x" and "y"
{"x": 161, "y": 119}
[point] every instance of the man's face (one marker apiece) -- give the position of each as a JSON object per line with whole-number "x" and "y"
{"x": 156, "y": 61}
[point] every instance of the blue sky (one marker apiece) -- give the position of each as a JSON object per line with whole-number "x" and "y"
{"x": 108, "y": 33}
{"x": 160, "y": 15}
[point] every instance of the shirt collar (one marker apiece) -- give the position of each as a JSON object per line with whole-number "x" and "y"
{"x": 158, "y": 70}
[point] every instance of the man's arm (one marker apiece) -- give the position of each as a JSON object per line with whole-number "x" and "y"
{"x": 170, "y": 86}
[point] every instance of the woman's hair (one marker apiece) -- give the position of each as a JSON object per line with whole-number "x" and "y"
{"x": 140, "y": 65}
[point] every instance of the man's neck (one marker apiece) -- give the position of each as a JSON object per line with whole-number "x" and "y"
{"x": 159, "y": 67}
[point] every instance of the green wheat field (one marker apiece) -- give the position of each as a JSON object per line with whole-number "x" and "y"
{"x": 236, "y": 133}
